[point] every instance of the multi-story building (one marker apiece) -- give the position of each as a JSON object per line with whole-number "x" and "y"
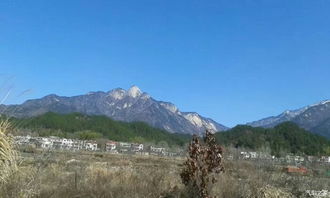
{"x": 110, "y": 146}
{"x": 91, "y": 146}
{"x": 136, "y": 147}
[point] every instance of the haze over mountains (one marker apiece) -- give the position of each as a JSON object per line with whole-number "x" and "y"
{"x": 118, "y": 104}
{"x": 315, "y": 118}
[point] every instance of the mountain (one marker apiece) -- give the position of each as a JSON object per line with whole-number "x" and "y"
{"x": 119, "y": 104}
{"x": 286, "y": 137}
{"x": 315, "y": 118}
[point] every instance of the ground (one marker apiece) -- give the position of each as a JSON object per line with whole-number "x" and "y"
{"x": 84, "y": 174}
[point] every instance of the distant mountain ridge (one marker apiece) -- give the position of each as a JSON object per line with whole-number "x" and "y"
{"x": 284, "y": 138}
{"x": 315, "y": 118}
{"x": 119, "y": 104}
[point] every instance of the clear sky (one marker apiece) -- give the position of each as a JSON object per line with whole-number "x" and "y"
{"x": 233, "y": 61}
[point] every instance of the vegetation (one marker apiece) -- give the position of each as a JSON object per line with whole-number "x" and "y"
{"x": 204, "y": 162}
{"x": 67, "y": 175}
{"x": 284, "y": 138}
{"x": 81, "y": 126}
{"x": 85, "y": 174}
{"x": 8, "y": 155}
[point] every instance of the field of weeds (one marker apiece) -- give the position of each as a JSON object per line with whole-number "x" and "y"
{"x": 100, "y": 175}
{"x": 62, "y": 174}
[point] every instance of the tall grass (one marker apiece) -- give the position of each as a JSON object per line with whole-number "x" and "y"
{"x": 8, "y": 155}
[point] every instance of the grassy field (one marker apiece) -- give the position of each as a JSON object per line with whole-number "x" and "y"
{"x": 101, "y": 175}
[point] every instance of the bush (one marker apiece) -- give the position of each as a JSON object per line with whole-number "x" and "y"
{"x": 204, "y": 161}
{"x": 8, "y": 155}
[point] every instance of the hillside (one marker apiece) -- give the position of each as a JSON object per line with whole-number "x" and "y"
{"x": 118, "y": 104}
{"x": 286, "y": 137}
{"x": 76, "y": 125}
{"x": 314, "y": 118}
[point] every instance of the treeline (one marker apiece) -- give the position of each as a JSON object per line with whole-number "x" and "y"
{"x": 76, "y": 125}
{"x": 284, "y": 138}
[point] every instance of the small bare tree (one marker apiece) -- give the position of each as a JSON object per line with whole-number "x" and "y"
{"x": 203, "y": 163}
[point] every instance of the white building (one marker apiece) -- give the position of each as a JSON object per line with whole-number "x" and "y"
{"x": 78, "y": 145}
{"x": 110, "y": 146}
{"x": 137, "y": 147}
{"x": 325, "y": 159}
{"x": 244, "y": 155}
{"x": 253, "y": 155}
{"x": 46, "y": 143}
{"x": 57, "y": 143}
{"x": 299, "y": 159}
{"x": 124, "y": 146}
{"x": 157, "y": 149}
{"x": 22, "y": 140}
{"x": 67, "y": 143}
{"x": 91, "y": 146}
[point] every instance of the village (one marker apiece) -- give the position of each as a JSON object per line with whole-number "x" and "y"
{"x": 289, "y": 163}
{"x": 289, "y": 158}
{"x": 56, "y": 143}
{"x": 115, "y": 147}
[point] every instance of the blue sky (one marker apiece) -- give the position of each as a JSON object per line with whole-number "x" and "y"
{"x": 233, "y": 61}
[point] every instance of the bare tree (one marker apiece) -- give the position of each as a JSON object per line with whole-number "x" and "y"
{"x": 203, "y": 163}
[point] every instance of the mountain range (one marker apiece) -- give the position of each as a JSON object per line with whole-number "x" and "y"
{"x": 119, "y": 104}
{"x": 315, "y": 118}
{"x": 134, "y": 105}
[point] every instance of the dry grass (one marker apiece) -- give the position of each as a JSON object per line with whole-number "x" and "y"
{"x": 61, "y": 174}
{"x": 15, "y": 181}
{"x": 64, "y": 175}
{"x": 8, "y": 155}
{"x": 84, "y": 175}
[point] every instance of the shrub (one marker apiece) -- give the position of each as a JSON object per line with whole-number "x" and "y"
{"x": 203, "y": 163}
{"x": 8, "y": 155}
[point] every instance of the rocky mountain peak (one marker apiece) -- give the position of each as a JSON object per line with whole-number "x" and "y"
{"x": 119, "y": 104}
{"x": 134, "y": 91}
{"x": 169, "y": 106}
{"x": 118, "y": 93}
{"x": 315, "y": 117}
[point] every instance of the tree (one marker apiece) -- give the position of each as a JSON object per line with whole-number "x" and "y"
{"x": 202, "y": 164}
